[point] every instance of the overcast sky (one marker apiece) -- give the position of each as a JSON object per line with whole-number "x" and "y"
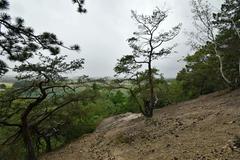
{"x": 102, "y": 32}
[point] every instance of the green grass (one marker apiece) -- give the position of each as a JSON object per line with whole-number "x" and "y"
{"x": 9, "y": 85}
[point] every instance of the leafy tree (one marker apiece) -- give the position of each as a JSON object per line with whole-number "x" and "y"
{"x": 206, "y": 30}
{"x": 201, "y": 74}
{"x": 221, "y": 32}
{"x": 46, "y": 80}
{"x": 65, "y": 123}
{"x": 118, "y": 99}
{"x": 146, "y": 44}
{"x": 176, "y": 92}
{"x": 24, "y": 108}
{"x": 228, "y": 17}
{"x": 227, "y": 21}
{"x": 3, "y": 86}
{"x": 19, "y": 42}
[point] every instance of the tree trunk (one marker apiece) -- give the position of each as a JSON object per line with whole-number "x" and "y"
{"x": 221, "y": 67}
{"x": 238, "y": 83}
{"x": 239, "y": 66}
{"x": 150, "y": 76}
{"x": 28, "y": 141}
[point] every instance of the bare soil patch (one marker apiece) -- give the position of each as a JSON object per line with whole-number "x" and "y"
{"x": 207, "y": 128}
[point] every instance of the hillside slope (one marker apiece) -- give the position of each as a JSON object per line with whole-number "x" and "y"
{"x": 201, "y": 129}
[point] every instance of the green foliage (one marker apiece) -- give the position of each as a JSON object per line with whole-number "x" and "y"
{"x": 80, "y": 4}
{"x": 19, "y": 42}
{"x": 201, "y": 74}
{"x": 34, "y": 99}
{"x": 176, "y": 92}
{"x": 3, "y": 86}
{"x": 220, "y": 34}
{"x": 13, "y": 152}
{"x": 229, "y": 40}
{"x": 118, "y": 102}
{"x": 69, "y": 122}
{"x": 216, "y": 63}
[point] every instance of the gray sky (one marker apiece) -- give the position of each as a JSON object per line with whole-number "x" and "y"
{"x": 102, "y": 32}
